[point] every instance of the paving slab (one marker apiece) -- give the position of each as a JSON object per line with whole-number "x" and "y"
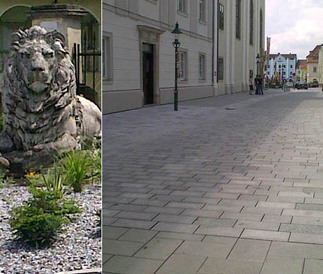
{"x": 222, "y": 266}
{"x": 250, "y": 250}
{"x": 178, "y": 264}
{"x": 278, "y": 265}
{"x": 265, "y": 235}
{"x": 131, "y": 265}
{"x": 313, "y": 266}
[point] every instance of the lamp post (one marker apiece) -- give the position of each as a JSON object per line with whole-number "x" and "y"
{"x": 258, "y": 61}
{"x": 176, "y": 45}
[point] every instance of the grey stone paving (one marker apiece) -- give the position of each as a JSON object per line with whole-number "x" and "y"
{"x": 232, "y": 184}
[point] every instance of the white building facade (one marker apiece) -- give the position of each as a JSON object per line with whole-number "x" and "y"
{"x": 220, "y": 41}
{"x": 282, "y": 66}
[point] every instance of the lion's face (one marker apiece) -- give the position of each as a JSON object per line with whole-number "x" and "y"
{"x": 37, "y": 62}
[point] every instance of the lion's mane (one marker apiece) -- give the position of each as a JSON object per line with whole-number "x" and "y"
{"x": 33, "y": 118}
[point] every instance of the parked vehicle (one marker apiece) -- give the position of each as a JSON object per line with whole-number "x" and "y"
{"x": 314, "y": 84}
{"x": 302, "y": 85}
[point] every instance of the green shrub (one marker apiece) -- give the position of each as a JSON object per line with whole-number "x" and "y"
{"x": 94, "y": 172}
{"x": 75, "y": 167}
{"x": 40, "y": 218}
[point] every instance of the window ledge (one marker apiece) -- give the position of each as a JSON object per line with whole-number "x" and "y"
{"x": 202, "y": 22}
{"x": 107, "y": 81}
{"x": 182, "y": 13}
{"x": 152, "y": 1}
{"x": 185, "y": 81}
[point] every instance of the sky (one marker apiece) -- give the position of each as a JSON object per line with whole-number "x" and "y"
{"x": 295, "y": 26}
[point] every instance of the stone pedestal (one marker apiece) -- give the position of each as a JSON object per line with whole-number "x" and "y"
{"x": 61, "y": 17}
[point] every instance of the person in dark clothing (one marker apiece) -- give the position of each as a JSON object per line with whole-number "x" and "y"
{"x": 257, "y": 84}
{"x": 261, "y": 85}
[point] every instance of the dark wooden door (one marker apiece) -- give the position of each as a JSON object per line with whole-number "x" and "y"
{"x": 148, "y": 74}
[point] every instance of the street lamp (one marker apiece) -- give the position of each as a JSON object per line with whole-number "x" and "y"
{"x": 258, "y": 61}
{"x": 176, "y": 45}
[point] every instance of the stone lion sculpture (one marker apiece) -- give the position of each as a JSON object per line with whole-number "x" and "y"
{"x": 41, "y": 109}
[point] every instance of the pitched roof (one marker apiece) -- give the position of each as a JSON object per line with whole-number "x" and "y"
{"x": 313, "y": 57}
{"x": 301, "y": 64}
{"x": 290, "y": 56}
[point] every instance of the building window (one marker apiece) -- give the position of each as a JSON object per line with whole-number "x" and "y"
{"x": 202, "y": 67}
{"x": 182, "y": 66}
{"x": 182, "y": 6}
{"x": 202, "y": 7}
{"x": 315, "y": 69}
{"x": 220, "y": 68}
{"x": 106, "y": 58}
{"x": 291, "y": 66}
{"x": 251, "y": 23}
{"x": 221, "y": 16}
{"x": 238, "y": 19}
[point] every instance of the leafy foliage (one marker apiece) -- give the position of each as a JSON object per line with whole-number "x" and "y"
{"x": 53, "y": 181}
{"x": 40, "y": 218}
{"x": 75, "y": 167}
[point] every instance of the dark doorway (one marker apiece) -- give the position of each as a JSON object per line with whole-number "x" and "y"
{"x": 148, "y": 73}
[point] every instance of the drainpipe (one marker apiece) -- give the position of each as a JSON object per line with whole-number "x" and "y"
{"x": 217, "y": 42}
{"x": 213, "y": 25}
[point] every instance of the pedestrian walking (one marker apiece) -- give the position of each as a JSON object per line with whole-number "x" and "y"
{"x": 261, "y": 85}
{"x": 257, "y": 84}
{"x": 250, "y": 86}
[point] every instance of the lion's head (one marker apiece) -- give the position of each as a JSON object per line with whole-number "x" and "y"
{"x": 39, "y": 60}
{"x": 38, "y": 87}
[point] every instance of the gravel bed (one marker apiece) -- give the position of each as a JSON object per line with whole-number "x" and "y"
{"x": 78, "y": 246}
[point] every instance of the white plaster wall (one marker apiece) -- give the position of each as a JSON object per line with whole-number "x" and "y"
{"x": 126, "y": 55}
{"x": 149, "y": 9}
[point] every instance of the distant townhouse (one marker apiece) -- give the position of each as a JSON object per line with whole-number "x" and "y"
{"x": 281, "y": 66}
{"x": 301, "y": 70}
{"x": 219, "y": 45}
{"x": 312, "y": 61}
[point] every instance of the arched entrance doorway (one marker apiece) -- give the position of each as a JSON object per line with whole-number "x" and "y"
{"x": 11, "y": 19}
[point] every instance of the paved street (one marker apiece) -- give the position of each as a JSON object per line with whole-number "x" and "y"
{"x": 232, "y": 184}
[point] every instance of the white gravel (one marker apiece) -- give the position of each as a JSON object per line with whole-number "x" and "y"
{"x": 78, "y": 247}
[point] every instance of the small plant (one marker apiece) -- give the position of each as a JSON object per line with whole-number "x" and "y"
{"x": 34, "y": 179}
{"x": 39, "y": 219}
{"x": 95, "y": 165}
{"x": 75, "y": 167}
{"x": 53, "y": 181}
